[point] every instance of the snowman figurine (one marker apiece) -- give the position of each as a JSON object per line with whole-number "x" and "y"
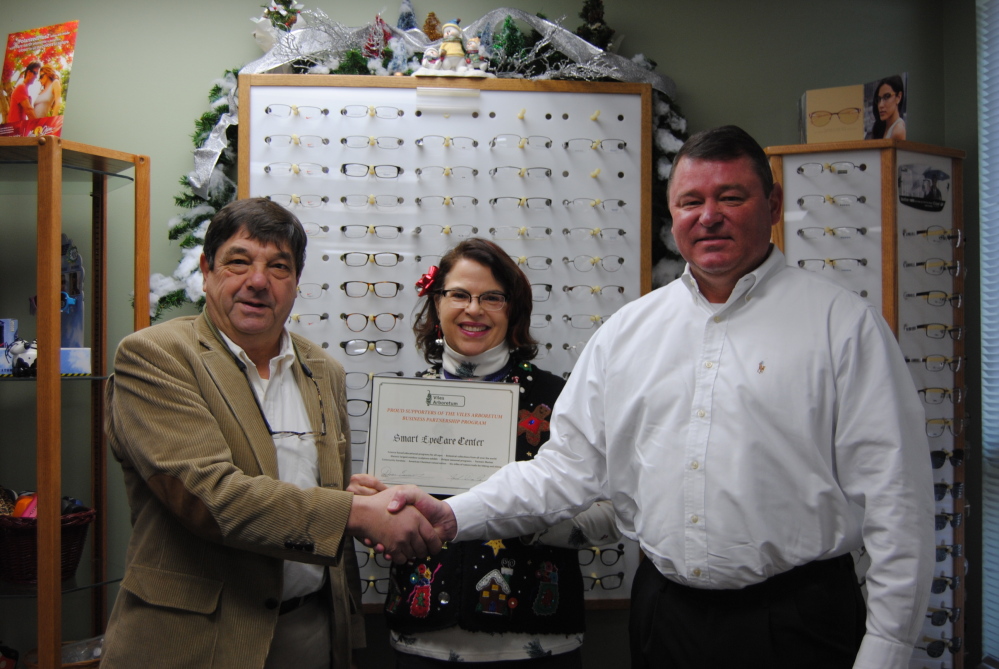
{"x": 452, "y": 48}
{"x": 23, "y": 357}
{"x": 431, "y": 59}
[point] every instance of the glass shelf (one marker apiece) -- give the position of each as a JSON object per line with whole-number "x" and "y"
{"x": 25, "y": 379}
{"x": 21, "y": 178}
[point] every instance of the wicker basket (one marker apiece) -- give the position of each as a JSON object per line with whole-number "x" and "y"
{"x": 19, "y": 546}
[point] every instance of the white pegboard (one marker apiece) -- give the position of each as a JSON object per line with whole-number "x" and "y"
{"x": 407, "y": 123}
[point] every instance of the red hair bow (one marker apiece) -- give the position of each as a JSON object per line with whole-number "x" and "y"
{"x": 426, "y": 281}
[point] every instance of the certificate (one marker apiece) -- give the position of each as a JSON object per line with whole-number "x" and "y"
{"x": 444, "y": 436}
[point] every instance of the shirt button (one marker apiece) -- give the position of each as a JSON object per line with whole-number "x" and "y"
{"x": 709, "y": 364}
{"x": 701, "y": 413}
{"x": 694, "y": 519}
{"x": 696, "y": 573}
{"x": 695, "y": 464}
{"x": 717, "y": 319}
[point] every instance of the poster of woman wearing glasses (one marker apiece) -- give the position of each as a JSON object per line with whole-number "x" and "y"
{"x": 884, "y": 113}
{"x": 875, "y": 110}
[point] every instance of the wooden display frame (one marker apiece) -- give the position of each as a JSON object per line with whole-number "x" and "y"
{"x": 481, "y": 109}
{"x": 893, "y": 243}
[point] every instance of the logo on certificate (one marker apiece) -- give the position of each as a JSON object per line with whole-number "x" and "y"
{"x": 435, "y": 400}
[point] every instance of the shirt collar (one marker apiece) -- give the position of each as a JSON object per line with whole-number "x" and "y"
{"x": 774, "y": 263}
{"x": 280, "y": 362}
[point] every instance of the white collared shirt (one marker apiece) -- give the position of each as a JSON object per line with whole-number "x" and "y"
{"x": 737, "y": 441}
{"x": 281, "y": 401}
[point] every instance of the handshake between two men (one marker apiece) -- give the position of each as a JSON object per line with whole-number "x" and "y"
{"x": 403, "y": 522}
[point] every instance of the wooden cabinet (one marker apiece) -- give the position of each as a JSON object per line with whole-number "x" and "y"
{"x": 52, "y": 164}
{"x": 884, "y": 219}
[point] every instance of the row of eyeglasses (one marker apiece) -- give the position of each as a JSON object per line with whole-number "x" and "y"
{"x": 540, "y": 292}
{"x": 389, "y": 171}
{"x": 390, "y": 143}
{"x": 507, "y": 202}
{"x": 535, "y": 232}
{"x": 581, "y": 263}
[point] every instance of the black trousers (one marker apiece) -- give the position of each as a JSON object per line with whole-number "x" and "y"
{"x": 812, "y": 616}
{"x": 570, "y": 660}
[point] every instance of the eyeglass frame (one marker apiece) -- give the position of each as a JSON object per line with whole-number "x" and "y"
{"x": 447, "y": 295}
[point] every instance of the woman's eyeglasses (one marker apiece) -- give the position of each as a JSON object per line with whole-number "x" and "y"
{"x": 362, "y": 142}
{"x": 935, "y": 427}
{"x": 362, "y": 170}
{"x": 442, "y": 141}
{"x": 527, "y": 232}
{"x": 941, "y": 616}
{"x": 582, "y": 144}
{"x": 584, "y": 321}
{"x": 938, "y": 234}
{"x": 357, "y": 259}
{"x": 583, "y": 203}
{"x": 311, "y": 291}
{"x": 846, "y": 115}
{"x": 937, "y": 330}
{"x": 381, "y": 201}
{"x": 386, "y": 347}
{"x": 593, "y": 290}
{"x": 843, "y": 232}
{"x": 380, "y": 231}
{"x": 437, "y": 171}
{"x": 607, "y": 556}
{"x": 533, "y": 262}
{"x": 937, "y": 298}
{"x": 510, "y": 203}
{"x": 288, "y": 199}
{"x": 838, "y": 264}
{"x": 941, "y": 520}
{"x": 284, "y": 169}
{"x": 518, "y": 142}
{"x": 360, "y": 380}
{"x": 586, "y": 263}
{"x": 607, "y": 582}
{"x": 940, "y": 490}
{"x": 938, "y": 395}
{"x": 460, "y": 299}
{"x": 841, "y": 167}
{"x": 308, "y": 141}
{"x": 842, "y": 200}
{"x": 936, "y": 266}
{"x": 457, "y": 231}
{"x": 456, "y": 201}
{"x": 523, "y": 172}
{"x": 379, "y": 288}
{"x": 360, "y": 111}
{"x": 357, "y": 322}
{"x": 309, "y": 319}
{"x": 306, "y": 112}
{"x": 938, "y": 458}
{"x": 936, "y": 363}
{"x": 606, "y": 234}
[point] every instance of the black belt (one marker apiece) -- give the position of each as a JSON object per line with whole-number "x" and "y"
{"x": 289, "y": 605}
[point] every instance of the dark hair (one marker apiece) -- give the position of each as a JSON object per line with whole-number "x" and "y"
{"x": 729, "y": 142}
{"x": 32, "y": 67}
{"x": 515, "y": 284}
{"x": 264, "y": 221}
{"x": 898, "y": 86}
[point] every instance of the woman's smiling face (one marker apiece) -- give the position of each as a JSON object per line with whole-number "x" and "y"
{"x": 471, "y": 330}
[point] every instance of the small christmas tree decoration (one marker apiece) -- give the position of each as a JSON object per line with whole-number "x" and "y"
{"x": 407, "y": 17}
{"x": 508, "y": 41}
{"x": 595, "y": 31}
{"x": 432, "y": 27}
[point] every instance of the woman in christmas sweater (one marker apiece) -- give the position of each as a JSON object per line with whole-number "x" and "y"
{"x": 512, "y": 600}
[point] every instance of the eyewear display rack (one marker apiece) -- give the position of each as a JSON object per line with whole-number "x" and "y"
{"x": 884, "y": 218}
{"x": 50, "y": 164}
{"x": 387, "y": 173}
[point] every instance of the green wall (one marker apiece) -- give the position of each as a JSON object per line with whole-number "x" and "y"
{"x": 143, "y": 70}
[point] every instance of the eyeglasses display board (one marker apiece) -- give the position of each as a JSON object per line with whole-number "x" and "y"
{"x": 883, "y": 218}
{"x": 388, "y": 173}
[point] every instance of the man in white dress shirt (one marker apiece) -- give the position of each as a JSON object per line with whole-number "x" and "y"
{"x": 753, "y": 424}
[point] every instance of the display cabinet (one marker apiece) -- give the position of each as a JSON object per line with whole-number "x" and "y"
{"x": 884, "y": 219}
{"x": 54, "y": 166}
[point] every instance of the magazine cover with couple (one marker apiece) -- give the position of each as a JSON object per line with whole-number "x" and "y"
{"x": 34, "y": 80}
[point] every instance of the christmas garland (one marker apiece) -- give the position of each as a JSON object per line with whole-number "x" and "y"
{"x": 323, "y": 46}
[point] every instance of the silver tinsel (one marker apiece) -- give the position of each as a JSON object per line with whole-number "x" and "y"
{"x": 322, "y": 39}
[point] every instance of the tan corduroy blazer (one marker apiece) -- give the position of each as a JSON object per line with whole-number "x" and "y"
{"x": 211, "y": 523}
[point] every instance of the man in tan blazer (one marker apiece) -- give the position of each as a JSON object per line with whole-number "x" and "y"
{"x": 232, "y": 435}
